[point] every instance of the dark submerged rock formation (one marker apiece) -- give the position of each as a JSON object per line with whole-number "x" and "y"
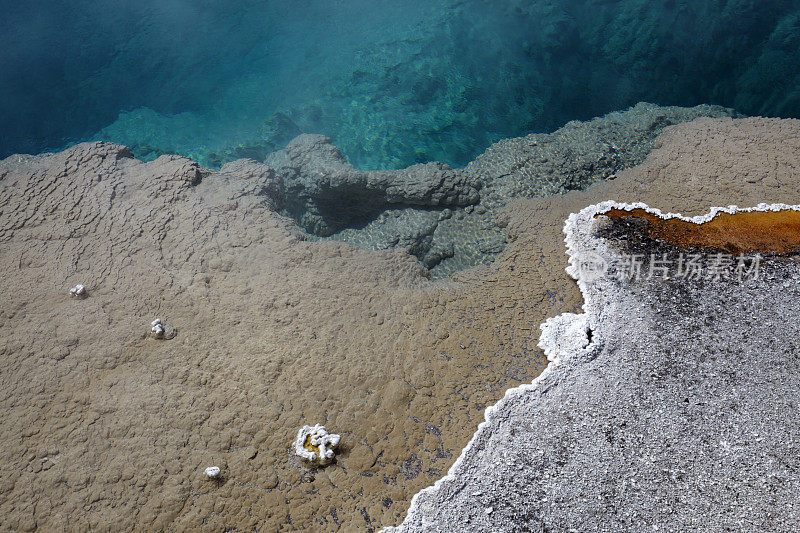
{"x": 447, "y": 217}
{"x": 325, "y": 193}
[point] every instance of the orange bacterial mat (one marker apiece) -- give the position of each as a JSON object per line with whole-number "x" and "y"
{"x": 766, "y": 232}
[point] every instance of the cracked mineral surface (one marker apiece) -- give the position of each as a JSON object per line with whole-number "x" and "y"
{"x": 107, "y": 428}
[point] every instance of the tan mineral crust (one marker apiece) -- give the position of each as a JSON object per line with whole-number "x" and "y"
{"x": 108, "y": 428}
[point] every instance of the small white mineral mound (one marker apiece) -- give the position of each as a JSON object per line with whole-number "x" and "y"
{"x": 78, "y": 291}
{"x": 162, "y": 331}
{"x": 212, "y": 471}
{"x": 157, "y": 329}
{"x": 315, "y": 444}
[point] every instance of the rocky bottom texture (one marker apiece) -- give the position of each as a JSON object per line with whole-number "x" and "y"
{"x": 670, "y": 404}
{"x": 448, "y": 218}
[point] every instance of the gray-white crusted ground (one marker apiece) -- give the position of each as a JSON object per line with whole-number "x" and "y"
{"x": 677, "y": 411}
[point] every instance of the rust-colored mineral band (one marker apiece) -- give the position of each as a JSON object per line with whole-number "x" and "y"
{"x": 766, "y": 232}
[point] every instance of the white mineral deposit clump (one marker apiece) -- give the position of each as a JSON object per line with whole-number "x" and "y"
{"x": 315, "y": 444}
{"x": 212, "y": 471}
{"x": 78, "y": 291}
{"x": 157, "y": 329}
{"x": 162, "y": 331}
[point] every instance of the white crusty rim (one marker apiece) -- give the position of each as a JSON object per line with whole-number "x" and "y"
{"x": 570, "y": 229}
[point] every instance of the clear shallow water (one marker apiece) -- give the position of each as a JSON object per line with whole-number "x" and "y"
{"x": 392, "y": 82}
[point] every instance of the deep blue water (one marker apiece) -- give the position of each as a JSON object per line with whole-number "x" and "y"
{"x": 393, "y": 82}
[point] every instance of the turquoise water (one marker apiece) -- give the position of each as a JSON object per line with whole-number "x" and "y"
{"x": 392, "y": 82}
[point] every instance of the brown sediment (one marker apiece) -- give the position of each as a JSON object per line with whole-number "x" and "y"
{"x": 766, "y": 232}
{"x": 107, "y": 428}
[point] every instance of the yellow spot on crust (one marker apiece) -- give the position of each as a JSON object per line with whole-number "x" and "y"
{"x": 310, "y": 447}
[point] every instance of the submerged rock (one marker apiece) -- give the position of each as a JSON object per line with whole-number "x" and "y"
{"x": 325, "y": 193}
{"x": 578, "y": 154}
{"x": 571, "y": 158}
